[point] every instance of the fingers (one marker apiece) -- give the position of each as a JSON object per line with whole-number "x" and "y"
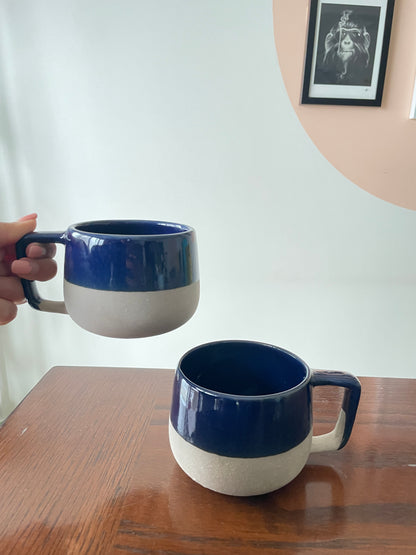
{"x": 36, "y": 250}
{"x": 13, "y": 231}
{"x": 40, "y": 269}
{"x": 32, "y": 216}
{"x": 11, "y": 289}
{"x": 37, "y": 266}
{"x": 8, "y": 311}
{"x": 4, "y": 269}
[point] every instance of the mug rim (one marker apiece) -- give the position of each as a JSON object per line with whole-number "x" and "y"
{"x": 182, "y": 229}
{"x": 233, "y": 396}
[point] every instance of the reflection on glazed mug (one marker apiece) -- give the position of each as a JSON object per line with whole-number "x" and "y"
{"x": 123, "y": 278}
{"x": 241, "y": 416}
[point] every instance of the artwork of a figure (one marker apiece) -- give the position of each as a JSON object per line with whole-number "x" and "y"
{"x": 347, "y": 46}
{"x": 346, "y": 53}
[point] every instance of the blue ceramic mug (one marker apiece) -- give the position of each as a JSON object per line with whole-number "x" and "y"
{"x": 241, "y": 416}
{"x": 123, "y": 278}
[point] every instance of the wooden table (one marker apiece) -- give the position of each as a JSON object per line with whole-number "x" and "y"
{"x": 85, "y": 467}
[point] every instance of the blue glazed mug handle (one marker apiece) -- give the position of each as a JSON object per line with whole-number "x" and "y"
{"x": 29, "y": 287}
{"x": 338, "y": 437}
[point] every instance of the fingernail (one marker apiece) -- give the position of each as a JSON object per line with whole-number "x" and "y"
{"x": 36, "y": 251}
{"x": 28, "y": 217}
{"x": 23, "y": 267}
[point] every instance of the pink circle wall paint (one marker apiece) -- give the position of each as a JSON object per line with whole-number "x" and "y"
{"x": 374, "y": 147}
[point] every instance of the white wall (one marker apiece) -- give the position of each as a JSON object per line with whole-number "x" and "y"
{"x": 176, "y": 110}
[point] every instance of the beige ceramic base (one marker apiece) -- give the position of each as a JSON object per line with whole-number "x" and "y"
{"x": 239, "y": 476}
{"x": 130, "y": 314}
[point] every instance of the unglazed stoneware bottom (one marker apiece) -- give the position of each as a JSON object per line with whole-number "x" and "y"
{"x": 125, "y": 314}
{"x": 239, "y": 476}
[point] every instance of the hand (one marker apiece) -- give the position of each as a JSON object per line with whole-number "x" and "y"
{"x": 38, "y": 265}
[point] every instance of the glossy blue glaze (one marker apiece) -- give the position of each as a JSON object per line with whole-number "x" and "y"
{"x": 125, "y": 255}
{"x": 130, "y": 255}
{"x": 242, "y": 399}
{"x": 247, "y": 399}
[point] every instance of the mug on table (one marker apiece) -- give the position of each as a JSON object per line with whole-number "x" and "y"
{"x": 241, "y": 416}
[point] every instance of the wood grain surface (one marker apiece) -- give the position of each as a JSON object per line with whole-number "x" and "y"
{"x": 85, "y": 467}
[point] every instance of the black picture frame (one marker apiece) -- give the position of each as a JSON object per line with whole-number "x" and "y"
{"x": 346, "y": 52}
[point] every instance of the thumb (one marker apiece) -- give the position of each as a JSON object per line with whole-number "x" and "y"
{"x": 12, "y": 232}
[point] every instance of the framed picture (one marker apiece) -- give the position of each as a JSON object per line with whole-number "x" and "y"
{"x": 346, "y": 54}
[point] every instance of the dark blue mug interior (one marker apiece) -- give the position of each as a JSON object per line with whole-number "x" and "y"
{"x": 131, "y": 227}
{"x": 243, "y": 368}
